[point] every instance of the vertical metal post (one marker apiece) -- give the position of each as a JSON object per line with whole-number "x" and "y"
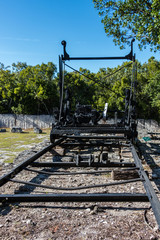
{"x": 135, "y": 79}
{"x": 61, "y": 85}
{"x": 115, "y": 118}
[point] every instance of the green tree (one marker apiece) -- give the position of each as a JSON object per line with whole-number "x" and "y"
{"x": 19, "y": 66}
{"x": 148, "y": 89}
{"x": 124, "y": 19}
{"x": 112, "y": 85}
{"x": 81, "y": 88}
{"x": 7, "y": 85}
{"x": 35, "y": 91}
{"x": 28, "y": 89}
{"x": 152, "y": 91}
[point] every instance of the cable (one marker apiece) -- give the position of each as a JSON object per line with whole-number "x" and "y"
{"x": 117, "y": 71}
{"x": 103, "y": 77}
{"x": 73, "y": 173}
{"x": 78, "y": 71}
{"x": 87, "y": 77}
{"x": 97, "y": 81}
{"x": 77, "y": 188}
{"x": 66, "y": 173}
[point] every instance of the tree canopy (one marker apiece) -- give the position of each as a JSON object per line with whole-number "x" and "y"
{"x": 28, "y": 89}
{"x": 35, "y": 90}
{"x": 125, "y": 19}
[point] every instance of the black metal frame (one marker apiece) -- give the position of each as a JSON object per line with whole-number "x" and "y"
{"x": 66, "y": 57}
{"x": 86, "y": 136}
{"x": 129, "y": 125}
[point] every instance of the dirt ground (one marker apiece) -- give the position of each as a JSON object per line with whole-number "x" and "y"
{"x": 81, "y": 221}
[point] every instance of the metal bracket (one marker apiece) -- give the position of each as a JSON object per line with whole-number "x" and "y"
{"x": 66, "y": 56}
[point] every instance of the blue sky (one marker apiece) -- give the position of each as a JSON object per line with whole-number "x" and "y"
{"x": 31, "y": 31}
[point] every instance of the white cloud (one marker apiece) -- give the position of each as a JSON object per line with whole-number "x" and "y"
{"x": 20, "y": 39}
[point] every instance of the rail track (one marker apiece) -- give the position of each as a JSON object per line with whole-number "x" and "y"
{"x": 99, "y": 159}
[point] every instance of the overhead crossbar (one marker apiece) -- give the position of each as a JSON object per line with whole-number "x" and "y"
{"x": 66, "y": 56}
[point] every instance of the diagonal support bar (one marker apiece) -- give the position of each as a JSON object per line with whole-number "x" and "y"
{"x": 4, "y": 179}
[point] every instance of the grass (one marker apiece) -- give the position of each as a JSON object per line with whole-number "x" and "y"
{"x": 11, "y": 144}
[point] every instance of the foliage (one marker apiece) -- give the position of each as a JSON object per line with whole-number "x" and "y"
{"x": 151, "y": 88}
{"x": 28, "y": 89}
{"x": 81, "y": 88}
{"x": 7, "y": 84}
{"x": 124, "y": 19}
{"x": 34, "y": 89}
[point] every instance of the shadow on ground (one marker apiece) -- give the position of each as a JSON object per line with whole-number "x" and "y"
{"x": 150, "y": 151}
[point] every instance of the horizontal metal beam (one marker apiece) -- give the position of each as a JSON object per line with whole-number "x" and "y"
{"x": 97, "y": 58}
{"x": 82, "y": 164}
{"x": 66, "y": 56}
{"x": 71, "y": 197}
{"x": 95, "y": 137}
{"x": 93, "y": 144}
{"x": 89, "y": 130}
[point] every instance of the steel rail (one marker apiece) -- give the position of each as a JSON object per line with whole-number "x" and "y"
{"x": 155, "y": 203}
{"x": 4, "y": 179}
{"x": 113, "y": 197}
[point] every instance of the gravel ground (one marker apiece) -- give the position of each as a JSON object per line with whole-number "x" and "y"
{"x": 126, "y": 221}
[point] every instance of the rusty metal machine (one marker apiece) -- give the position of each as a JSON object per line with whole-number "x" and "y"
{"x": 89, "y": 143}
{"x": 85, "y": 119}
